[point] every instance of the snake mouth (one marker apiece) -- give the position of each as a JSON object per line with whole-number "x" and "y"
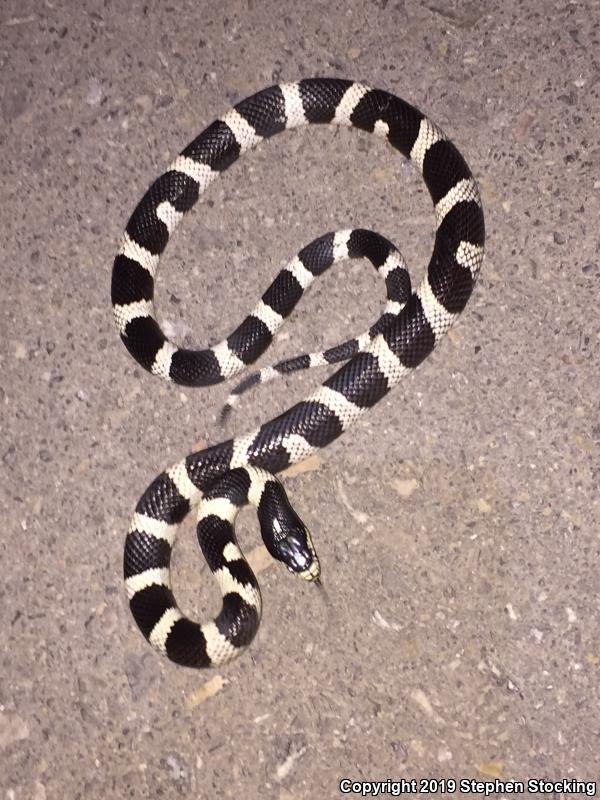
{"x": 312, "y": 573}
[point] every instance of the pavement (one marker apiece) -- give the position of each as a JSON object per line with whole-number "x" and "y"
{"x": 457, "y": 523}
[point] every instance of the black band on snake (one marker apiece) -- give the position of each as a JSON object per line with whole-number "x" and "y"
{"x": 219, "y": 480}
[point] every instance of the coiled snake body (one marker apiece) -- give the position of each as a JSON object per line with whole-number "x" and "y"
{"x": 220, "y": 479}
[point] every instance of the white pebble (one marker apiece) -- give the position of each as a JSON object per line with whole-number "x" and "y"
{"x": 444, "y": 755}
{"x": 20, "y": 351}
{"x": 537, "y": 634}
{"x": 95, "y": 93}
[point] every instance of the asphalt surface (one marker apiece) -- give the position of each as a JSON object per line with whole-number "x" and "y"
{"x": 457, "y": 523}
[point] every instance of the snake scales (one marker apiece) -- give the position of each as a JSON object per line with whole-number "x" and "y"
{"x": 219, "y": 480}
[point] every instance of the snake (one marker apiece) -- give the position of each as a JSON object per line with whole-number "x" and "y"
{"x": 216, "y": 482}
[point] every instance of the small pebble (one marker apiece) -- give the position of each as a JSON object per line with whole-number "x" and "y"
{"x": 559, "y": 238}
{"x": 94, "y": 94}
{"x": 20, "y": 351}
{"x": 144, "y": 101}
{"x": 12, "y": 729}
{"x": 177, "y": 771}
{"x": 444, "y": 755}
{"x": 537, "y": 635}
{"x": 163, "y": 101}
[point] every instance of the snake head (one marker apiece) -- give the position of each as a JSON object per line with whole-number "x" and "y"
{"x": 297, "y": 553}
{"x": 285, "y": 536}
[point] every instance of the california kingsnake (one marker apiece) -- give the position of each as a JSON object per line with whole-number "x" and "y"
{"x": 405, "y": 334}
